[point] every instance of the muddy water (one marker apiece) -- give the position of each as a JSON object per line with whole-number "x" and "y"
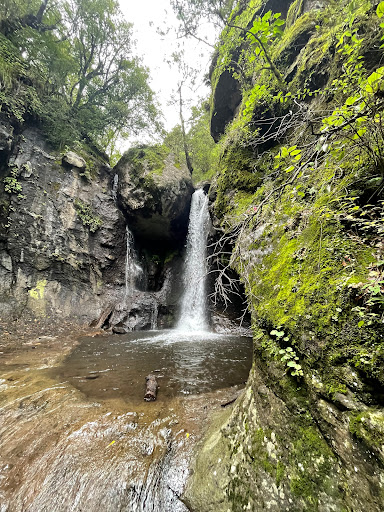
{"x": 75, "y": 433}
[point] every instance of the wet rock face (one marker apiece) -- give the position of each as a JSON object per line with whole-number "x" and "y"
{"x": 226, "y": 99}
{"x": 143, "y": 310}
{"x": 269, "y": 454}
{"x": 154, "y": 192}
{"x": 60, "y": 234}
{"x": 6, "y": 139}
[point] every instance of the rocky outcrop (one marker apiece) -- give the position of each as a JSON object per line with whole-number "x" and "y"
{"x": 152, "y": 307}
{"x": 281, "y": 450}
{"x": 226, "y": 99}
{"x": 62, "y": 236}
{"x": 6, "y": 139}
{"x": 155, "y": 193}
{"x": 71, "y": 159}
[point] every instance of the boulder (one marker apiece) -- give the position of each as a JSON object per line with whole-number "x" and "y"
{"x": 73, "y": 160}
{"x": 154, "y": 192}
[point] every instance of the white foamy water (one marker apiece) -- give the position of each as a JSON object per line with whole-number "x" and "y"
{"x": 193, "y": 313}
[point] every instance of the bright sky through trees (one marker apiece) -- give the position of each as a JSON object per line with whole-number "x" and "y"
{"x": 147, "y": 17}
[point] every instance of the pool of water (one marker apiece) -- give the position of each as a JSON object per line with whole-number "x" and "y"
{"x": 76, "y": 434}
{"x": 184, "y": 364}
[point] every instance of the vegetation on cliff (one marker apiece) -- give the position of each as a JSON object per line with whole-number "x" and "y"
{"x": 299, "y": 196}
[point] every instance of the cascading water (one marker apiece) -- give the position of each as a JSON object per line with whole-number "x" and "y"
{"x": 193, "y": 315}
{"x": 114, "y": 186}
{"x": 133, "y": 270}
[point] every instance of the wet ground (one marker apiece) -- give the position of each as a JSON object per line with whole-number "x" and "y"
{"x": 76, "y": 434}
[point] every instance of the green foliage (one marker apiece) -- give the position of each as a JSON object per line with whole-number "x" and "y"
{"x": 70, "y": 67}
{"x": 288, "y": 157}
{"x": 87, "y": 216}
{"x": 264, "y": 30}
{"x": 147, "y": 160}
{"x": 380, "y": 10}
{"x": 202, "y": 149}
{"x": 174, "y": 141}
{"x": 192, "y": 13}
{"x": 12, "y": 184}
{"x": 286, "y": 355}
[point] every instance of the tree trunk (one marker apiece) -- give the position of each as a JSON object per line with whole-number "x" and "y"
{"x": 151, "y": 388}
{"x": 185, "y": 145}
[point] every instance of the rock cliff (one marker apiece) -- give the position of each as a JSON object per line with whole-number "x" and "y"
{"x": 63, "y": 239}
{"x": 299, "y": 196}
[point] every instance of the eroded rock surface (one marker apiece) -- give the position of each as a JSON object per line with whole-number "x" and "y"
{"x": 60, "y": 239}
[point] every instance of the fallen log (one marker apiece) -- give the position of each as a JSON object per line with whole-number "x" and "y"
{"x": 151, "y": 388}
{"x": 229, "y": 403}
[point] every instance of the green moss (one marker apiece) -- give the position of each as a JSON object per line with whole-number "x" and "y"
{"x": 146, "y": 160}
{"x": 368, "y": 426}
{"x": 293, "y": 454}
{"x": 295, "y": 10}
{"x": 280, "y": 472}
{"x": 36, "y": 299}
{"x": 295, "y": 35}
{"x": 37, "y": 293}
{"x": 169, "y": 256}
{"x": 313, "y": 461}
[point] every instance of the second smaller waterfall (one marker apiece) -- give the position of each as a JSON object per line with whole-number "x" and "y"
{"x": 193, "y": 315}
{"x": 133, "y": 270}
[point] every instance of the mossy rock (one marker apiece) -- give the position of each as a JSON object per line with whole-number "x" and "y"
{"x": 155, "y": 194}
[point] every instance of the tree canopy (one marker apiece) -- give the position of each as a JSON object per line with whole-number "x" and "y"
{"x": 192, "y": 13}
{"x": 70, "y": 66}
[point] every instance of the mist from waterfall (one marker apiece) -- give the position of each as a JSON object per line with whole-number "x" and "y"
{"x": 193, "y": 316}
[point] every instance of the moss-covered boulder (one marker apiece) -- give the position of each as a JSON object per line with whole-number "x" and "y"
{"x": 154, "y": 192}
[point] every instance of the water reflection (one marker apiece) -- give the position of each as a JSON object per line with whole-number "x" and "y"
{"x": 116, "y": 366}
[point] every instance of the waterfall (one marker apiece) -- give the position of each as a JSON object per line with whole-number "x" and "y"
{"x": 115, "y": 185}
{"x": 155, "y": 312}
{"x": 193, "y": 304}
{"x": 132, "y": 269}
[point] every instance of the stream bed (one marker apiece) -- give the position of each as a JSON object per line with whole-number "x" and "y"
{"x": 76, "y": 434}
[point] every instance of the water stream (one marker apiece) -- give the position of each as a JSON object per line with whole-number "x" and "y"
{"x": 77, "y": 435}
{"x": 133, "y": 271}
{"x": 193, "y": 315}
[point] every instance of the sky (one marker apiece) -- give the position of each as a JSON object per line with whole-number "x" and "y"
{"x": 147, "y": 16}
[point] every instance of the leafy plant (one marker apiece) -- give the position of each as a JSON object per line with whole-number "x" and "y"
{"x": 287, "y": 355}
{"x": 87, "y": 215}
{"x": 264, "y": 30}
{"x": 12, "y": 184}
{"x": 288, "y": 156}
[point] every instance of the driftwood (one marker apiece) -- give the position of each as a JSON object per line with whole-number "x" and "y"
{"x": 229, "y": 403}
{"x": 151, "y": 388}
{"x": 105, "y": 314}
